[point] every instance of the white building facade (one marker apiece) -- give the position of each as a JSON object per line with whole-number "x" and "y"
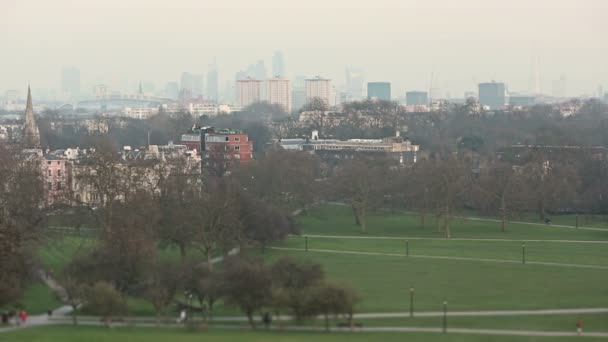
{"x": 249, "y": 91}
{"x": 278, "y": 91}
{"x": 321, "y": 88}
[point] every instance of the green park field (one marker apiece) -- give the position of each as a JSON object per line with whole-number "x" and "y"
{"x": 479, "y": 269}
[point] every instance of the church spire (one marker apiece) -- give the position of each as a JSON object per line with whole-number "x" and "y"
{"x": 31, "y": 134}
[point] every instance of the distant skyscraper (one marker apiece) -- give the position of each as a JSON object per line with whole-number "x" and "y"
{"x": 278, "y": 91}
{"x": 70, "y": 81}
{"x": 379, "y": 91}
{"x": 249, "y": 91}
{"x": 278, "y": 64}
{"x": 31, "y": 134}
{"x": 197, "y": 85}
{"x": 213, "y": 83}
{"x": 257, "y": 70}
{"x": 319, "y": 87}
{"x": 417, "y": 98}
{"x": 186, "y": 83}
{"x": 354, "y": 83}
{"x": 492, "y": 95}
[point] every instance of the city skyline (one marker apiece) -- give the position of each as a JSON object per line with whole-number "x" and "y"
{"x": 402, "y": 42}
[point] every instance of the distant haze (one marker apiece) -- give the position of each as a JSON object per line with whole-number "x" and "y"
{"x": 401, "y": 41}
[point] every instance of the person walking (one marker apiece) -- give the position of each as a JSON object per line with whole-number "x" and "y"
{"x": 579, "y": 327}
{"x": 23, "y": 316}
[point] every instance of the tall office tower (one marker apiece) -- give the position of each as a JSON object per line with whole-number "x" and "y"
{"x": 278, "y": 91}
{"x": 70, "y": 81}
{"x": 197, "y": 85}
{"x": 172, "y": 90}
{"x": 492, "y": 95}
{"x": 320, "y": 87}
{"x": 379, "y": 91}
{"x": 278, "y": 64}
{"x": 257, "y": 70}
{"x": 213, "y": 83}
{"x": 417, "y": 98}
{"x": 354, "y": 83}
{"x": 186, "y": 83}
{"x": 249, "y": 91}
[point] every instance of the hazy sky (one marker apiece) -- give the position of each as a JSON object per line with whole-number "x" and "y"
{"x": 462, "y": 42}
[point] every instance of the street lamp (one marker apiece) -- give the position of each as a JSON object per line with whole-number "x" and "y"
{"x": 411, "y": 302}
{"x": 445, "y": 316}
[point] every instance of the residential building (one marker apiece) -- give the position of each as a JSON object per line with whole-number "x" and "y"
{"x": 492, "y": 95}
{"x": 397, "y": 148}
{"x": 298, "y": 98}
{"x": 319, "y": 87}
{"x": 226, "y": 149}
{"x": 354, "y": 83}
{"x": 221, "y": 149}
{"x": 278, "y": 91}
{"x": 417, "y": 98}
{"x": 379, "y": 91}
{"x": 57, "y": 175}
{"x": 139, "y": 113}
{"x": 213, "y": 83}
{"x": 249, "y": 91}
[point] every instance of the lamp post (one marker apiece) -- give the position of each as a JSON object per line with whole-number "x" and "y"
{"x": 445, "y": 316}
{"x": 411, "y": 302}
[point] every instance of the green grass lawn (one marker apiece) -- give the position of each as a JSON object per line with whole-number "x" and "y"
{"x": 100, "y": 334}
{"x": 38, "y": 298}
{"x": 383, "y": 283}
{"x": 338, "y": 220}
{"x": 573, "y": 253}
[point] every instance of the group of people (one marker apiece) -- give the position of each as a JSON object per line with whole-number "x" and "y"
{"x": 16, "y": 318}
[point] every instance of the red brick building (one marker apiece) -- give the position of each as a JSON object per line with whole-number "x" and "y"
{"x": 223, "y": 149}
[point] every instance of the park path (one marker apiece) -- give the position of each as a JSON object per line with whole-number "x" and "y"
{"x": 403, "y": 238}
{"x": 498, "y": 332}
{"x": 420, "y": 256}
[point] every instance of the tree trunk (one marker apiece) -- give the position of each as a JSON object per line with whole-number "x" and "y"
{"x": 251, "y": 320}
{"x": 74, "y": 315}
{"x": 541, "y": 210}
{"x": 364, "y": 219}
{"x": 356, "y": 215}
{"x": 422, "y": 218}
{"x": 503, "y": 225}
{"x": 182, "y": 252}
{"x": 209, "y": 263}
{"x": 447, "y": 222}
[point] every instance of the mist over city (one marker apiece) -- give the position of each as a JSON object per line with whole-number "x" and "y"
{"x": 326, "y": 170}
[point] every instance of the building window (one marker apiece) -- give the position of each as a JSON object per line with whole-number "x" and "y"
{"x": 237, "y": 148}
{"x": 227, "y": 138}
{"x": 49, "y": 163}
{"x": 59, "y": 173}
{"x": 49, "y": 185}
{"x": 49, "y": 172}
{"x": 58, "y": 186}
{"x": 237, "y": 139}
{"x": 58, "y": 163}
